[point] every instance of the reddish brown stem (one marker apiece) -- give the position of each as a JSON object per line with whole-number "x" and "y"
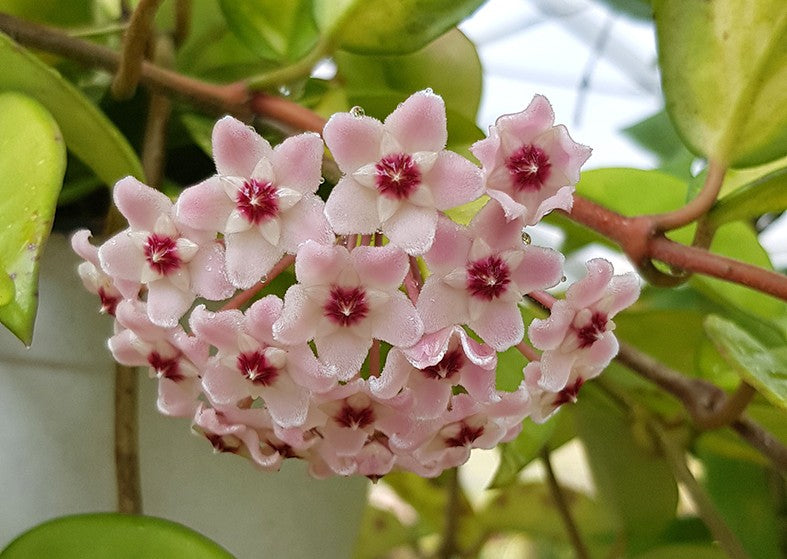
{"x": 528, "y": 351}
{"x": 699, "y": 206}
{"x": 287, "y": 112}
{"x": 135, "y": 42}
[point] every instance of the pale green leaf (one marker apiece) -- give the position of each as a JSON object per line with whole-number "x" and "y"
{"x": 82, "y": 124}
{"x": 389, "y": 26}
{"x": 764, "y": 369}
{"x": 120, "y": 536}
{"x": 684, "y": 551}
{"x": 765, "y": 194}
{"x": 381, "y": 531}
{"x": 724, "y": 69}
{"x": 32, "y": 164}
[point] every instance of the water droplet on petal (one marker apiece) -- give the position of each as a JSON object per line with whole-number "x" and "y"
{"x": 322, "y": 180}
{"x": 429, "y": 91}
{"x": 564, "y": 278}
{"x": 263, "y": 279}
{"x": 357, "y": 111}
{"x": 525, "y": 237}
{"x": 208, "y": 269}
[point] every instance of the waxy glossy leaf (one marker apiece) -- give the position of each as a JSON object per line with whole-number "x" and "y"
{"x": 276, "y": 30}
{"x": 762, "y": 368}
{"x": 724, "y": 66}
{"x": 32, "y": 164}
{"x": 381, "y": 531}
{"x": 764, "y": 194}
{"x": 120, "y": 536}
{"x": 83, "y": 125}
{"x": 634, "y": 481}
{"x": 389, "y": 26}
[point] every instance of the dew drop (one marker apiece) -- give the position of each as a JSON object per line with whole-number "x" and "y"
{"x": 564, "y": 278}
{"x": 526, "y": 238}
{"x": 357, "y": 111}
{"x": 285, "y": 91}
{"x": 208, "y": 269}
{"x": 429, "y": 91}
{"x": 322, "y": 180}
{"x": 263, "y": 279}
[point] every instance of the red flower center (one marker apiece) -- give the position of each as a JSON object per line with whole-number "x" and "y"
{"x": 161, "y": 253}
{"x": 448, "y": 366}
{"x": 397, "y": 176}
{"x": 488, "y": 278}
{"x": 165, "y": 367}
{"x": 257, "y": 201}
{"x": 109, "y": 302}
{"x": 593, "y": 330}
{"x": 254, "y": 366}
{"x": 529, "y": 167}
{"x": 346, "y": 305}
{"x": 569, "y": 393}
{"x": 465, "y": 436}
{"x": 353, "y": 418}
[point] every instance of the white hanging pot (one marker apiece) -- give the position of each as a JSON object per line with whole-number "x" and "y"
{"x": 57, "y": 445}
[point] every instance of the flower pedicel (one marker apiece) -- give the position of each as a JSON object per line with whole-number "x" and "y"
{"x": 363, "y": 367}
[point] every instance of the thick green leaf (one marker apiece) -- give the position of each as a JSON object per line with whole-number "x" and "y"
{"x": 120, "y": 536}
{"x": 742, "y": 494}
{"x": 276, "y": 30}
{"x": 764, "y": 369}
{"x": 683, "y": 551}
{"x": 765, "y": 194}
{"x": 449, "y": 65}
{"x": 656, "y": 134}
{"x": 389, "y": 26}
{"x": 724, "y": 66}
{"x": 530, "y": 509}
{"x": 633, "y": 480}
{"x": 32, "y": 164}
{"x": 52, "y": 12}
{"x": 83, "y": 125}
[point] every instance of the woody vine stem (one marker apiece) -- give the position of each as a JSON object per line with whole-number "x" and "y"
{"x": 642, "y": 238}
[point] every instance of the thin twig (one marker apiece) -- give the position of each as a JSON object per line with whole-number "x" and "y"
{"x": 722, "y": 533}
{"x": 448, "y": 548}
{"x": 730, "y": 409}
{"x": 528, "y": 351}
{"x": 182, "y": 21}
{"x": 374, "y": 358}
{"x": 135, "y": 42}
{"x": 580, "y": 550}
{"x": 129, "y": 494}
{"x": 246, "y": 295}
{"x": 697, "y": 207}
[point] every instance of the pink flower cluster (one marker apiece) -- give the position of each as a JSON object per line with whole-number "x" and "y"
{"x": 363, "y": 366}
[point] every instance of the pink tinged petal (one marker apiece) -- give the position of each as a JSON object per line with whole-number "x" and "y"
{"x": 344, "y": 441}
{"x": 499, "y": 324}
{"x": 318, "y": 264}
{"x": 555, "y": 369}
{"x": 121, "y": 257}
{"x": 133, "y": 315}
{"x": 479, "y": 382}
{"x": 287, "y": 402}
{"x": 523, "y": 127}
{"x": 352, "y": 208}
{"x": 478, "y": 353}
{"x": 411, "y": 228}
{"x": 621, "y": 293}
{"x": 249, "y": 258}
{"x": 491, "y": 225}
{"x": 237, "y": 148}
{"x": 602, "y": 351}
{"x": 299, "y": 319}
{"x": 223, "y": 385}
{"x": 549, "y": 333}
{"x": 375, "y": 460}
{"x": 511, "y": 208}
{"x": 566, "y": 154}
{"x": 397, "y": 322}
{"x": 219, "y": 329}
{"x": 205, "y": 206}
{"x": 563, "y": 199}
{"x": 140, "y": 204}
{"x": 450, "y": 247}
{"x": 540, "y": 268}
{"x": 440, "y": 305}
{"x": 177, "y": 399}
{"x": 305, "y": 222}
{"x": 430, "y": 349}
{"x": 261, "y": 316}
{"x": 487, "y": 151}
{"x": 343, "y": 352}
{"x": 125, "y": 349}
{"x": 381, "y": 268}
{"x": 208, "y": 276}
{"x": 393, "y": 377}
{"x": 80, "y": 243}
{"x": 453, "y": 181}
{"x": 353, "y": 141}
{"x": 592, "y": 287}
{"x": 430, "y": 396}
{"x": 298, "y": 162}
{"x": 167, "y": 303}
{"x": 306, "y": 371}
{"x": 419, "y": 124}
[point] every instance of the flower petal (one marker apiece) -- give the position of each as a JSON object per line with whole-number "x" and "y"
{"x": 208, "y": 276}
{"x": 299, "y": 318}
{"x": 318, "y": 264}
{"x": 397, "y": 322}
{"x": 237, "y": 148}
{"x": 167, "y": 303}
{"x": 141, "y": 205}
{"x": 499, "y": 325}
{"x": 352, "y": 208}
{"x": 219, "y": 329}
{"x": 204, "y": 206}
{"x": 354, "y": 141}
{"x": 411, "y": 228}
{"x": 419, "y": 123}
{"x": 440, "y": 305}
{"x": 382, "y": 268}
{"x": 306, "y": 221}
{"x": 249, "y": 258}
{"x": 298, "y": 162}
{"x": 453, "y": 181}
{"x": 342, "y": 352}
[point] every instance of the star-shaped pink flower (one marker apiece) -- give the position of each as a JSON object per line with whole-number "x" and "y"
{"x": 479, "y": 275}
{"x": 530, "y": 165}
{"x": 262, "y": 200}
{"x": 397, "y": 174}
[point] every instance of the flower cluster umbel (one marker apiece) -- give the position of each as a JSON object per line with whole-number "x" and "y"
{"x": 363, "y": 366}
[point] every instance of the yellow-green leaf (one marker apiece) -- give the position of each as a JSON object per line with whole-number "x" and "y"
{"x": 724, "y": 70}
{"x": 32, "y": 164}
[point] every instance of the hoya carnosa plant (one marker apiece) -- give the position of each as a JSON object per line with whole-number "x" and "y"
{"x": 363, "y": 367}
